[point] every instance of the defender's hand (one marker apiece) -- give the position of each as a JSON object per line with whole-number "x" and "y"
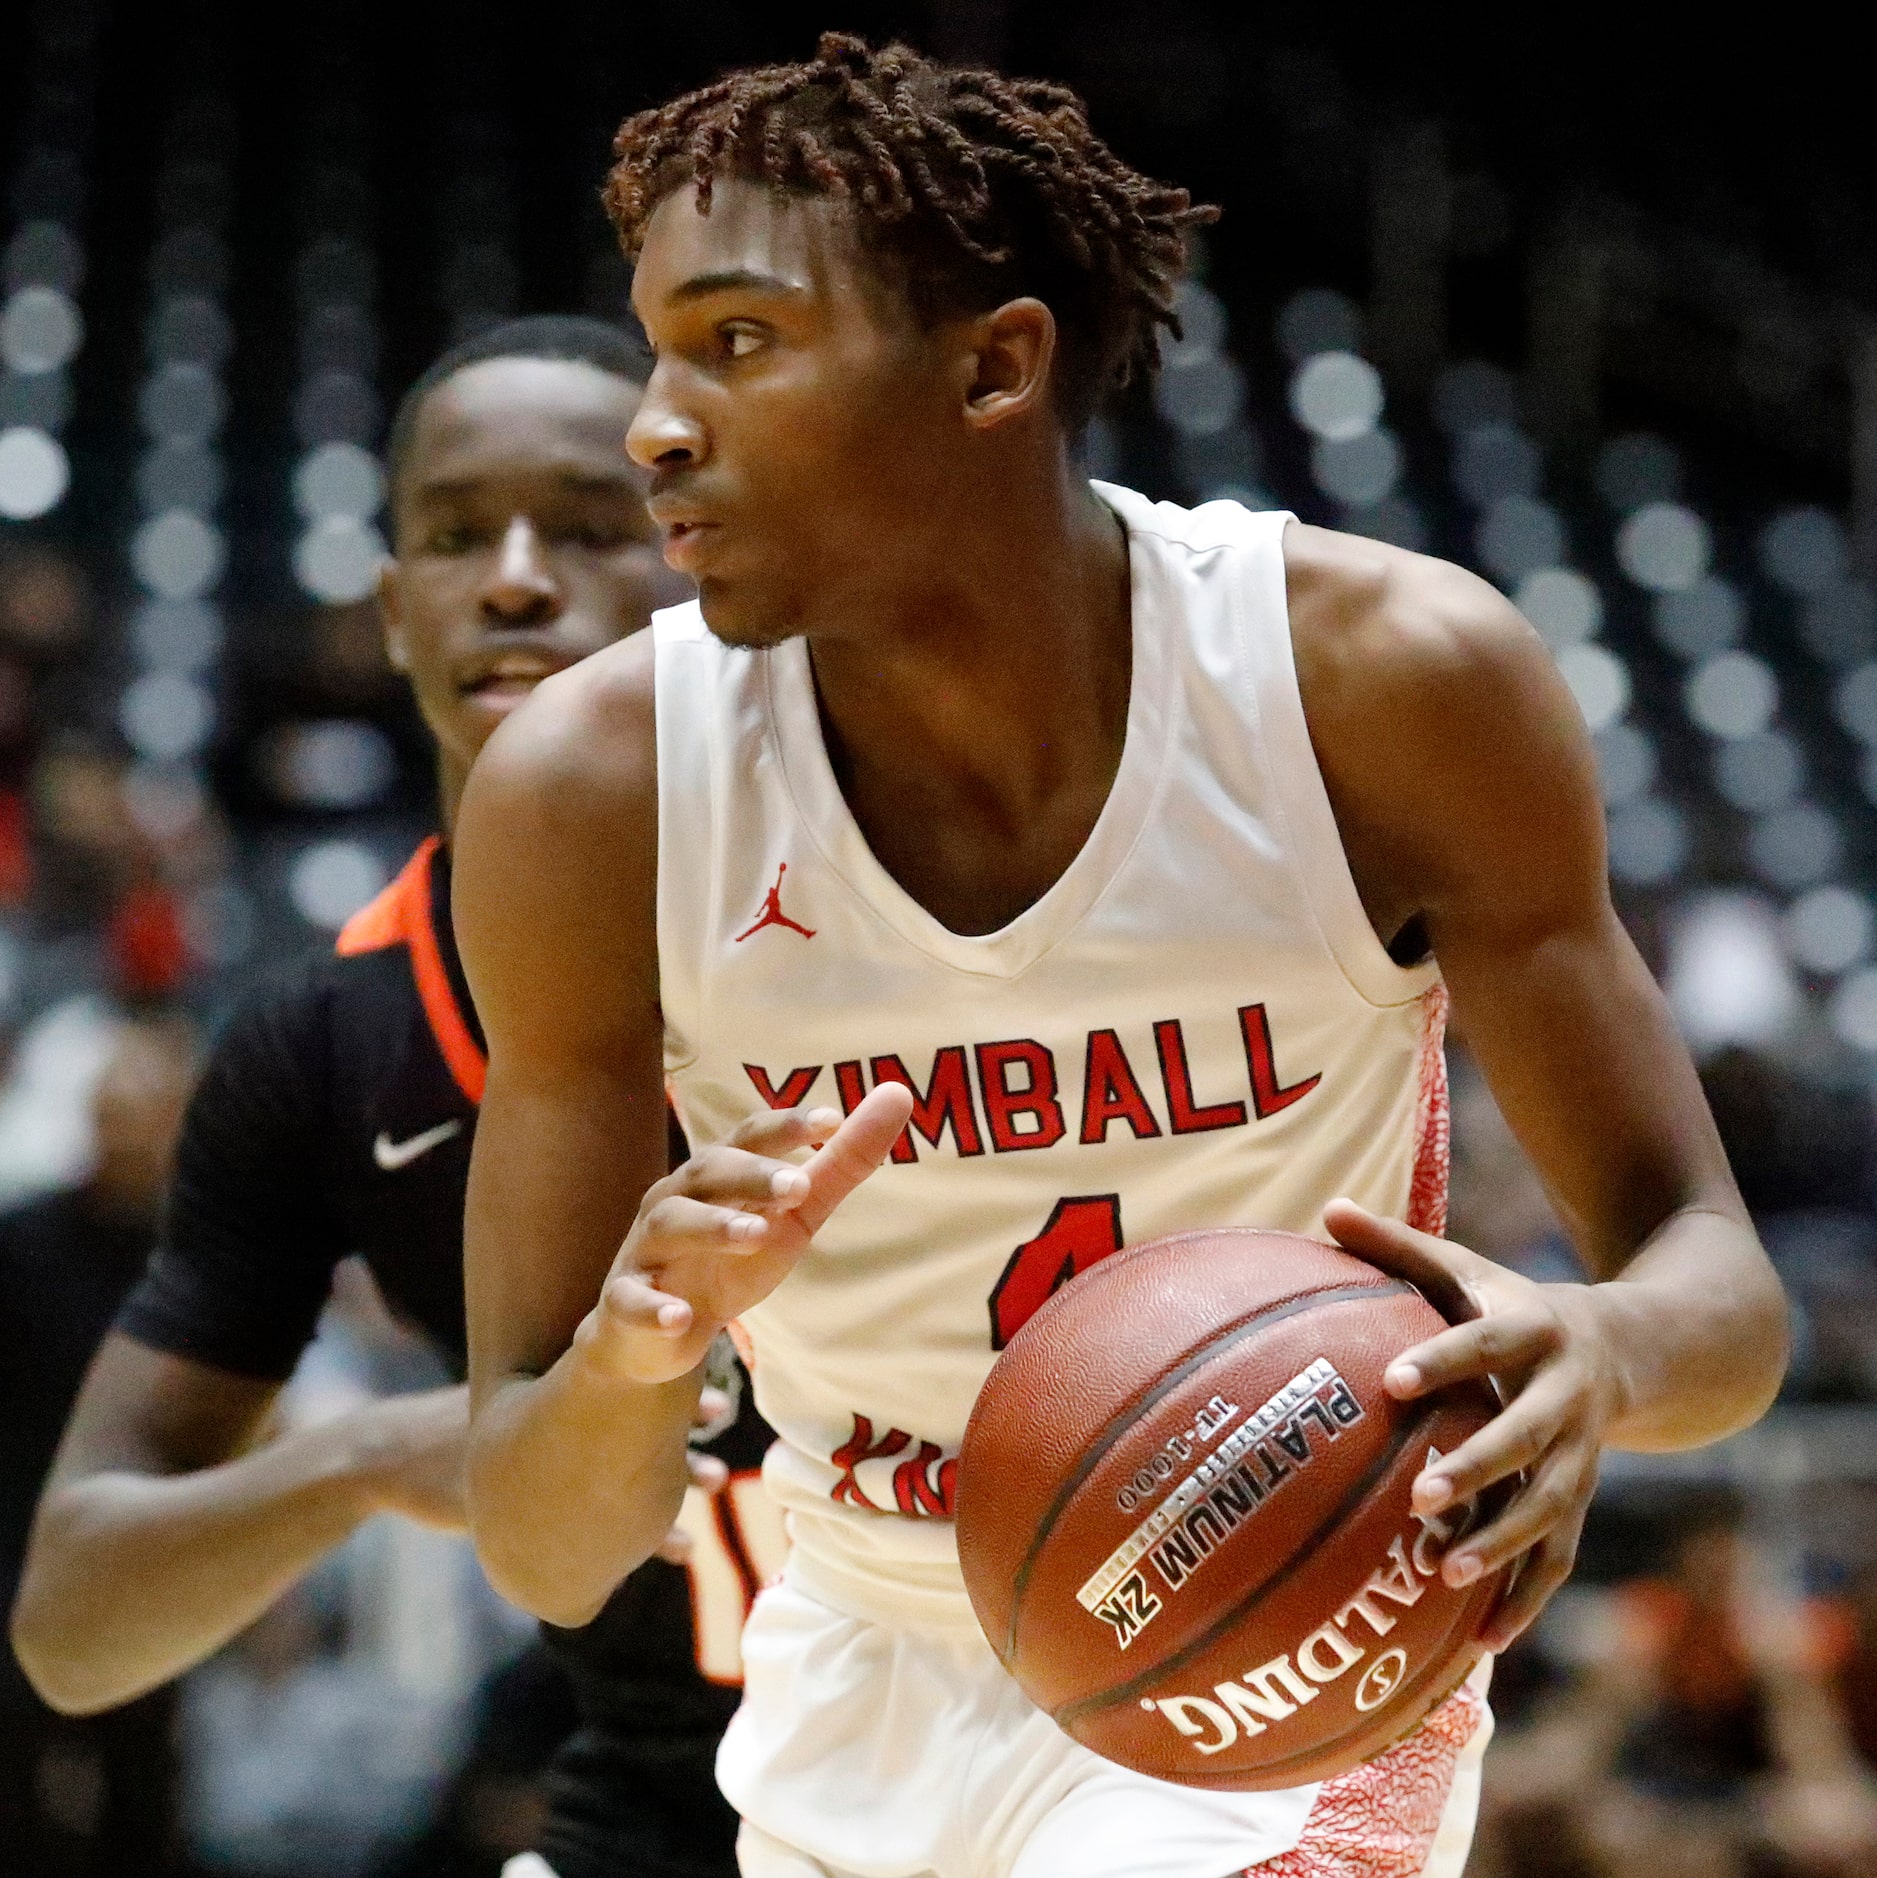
{"x": 721, "y": 1232}
{"x": 708, "y": 1474}
{"x": 1546, "y": 1349}
{"x": 411, "y": 1451}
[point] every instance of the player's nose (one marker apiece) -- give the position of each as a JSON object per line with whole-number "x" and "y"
{"x": 521, "y": 588}
{"x": 663, "y": 434}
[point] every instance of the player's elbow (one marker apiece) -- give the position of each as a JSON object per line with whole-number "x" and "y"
{"x": 543, "y": 1594}
{"x": 48, "y": 1641}
{"x": 560, "y": 1584}
{"x": 559, "y": 1569}
{"x": 1768, "y": 1339}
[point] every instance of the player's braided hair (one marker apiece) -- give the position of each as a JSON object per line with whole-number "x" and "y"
{"x": 972, "y": 187}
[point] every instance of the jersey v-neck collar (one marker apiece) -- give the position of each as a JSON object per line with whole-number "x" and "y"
{"x": 795, "y": 726}
{"x": 414, "y": 911}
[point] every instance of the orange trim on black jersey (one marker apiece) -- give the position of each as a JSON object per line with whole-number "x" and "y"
{"x": 401, "y": 915}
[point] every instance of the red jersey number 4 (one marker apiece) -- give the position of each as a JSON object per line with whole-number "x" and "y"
{"x": 1080, "y": 1232}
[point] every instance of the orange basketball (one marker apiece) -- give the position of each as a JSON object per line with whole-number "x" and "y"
{"x": 1183, "y": 1512}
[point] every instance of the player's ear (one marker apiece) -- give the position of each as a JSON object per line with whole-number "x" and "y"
{"x": 391, "y": 612}
{"x": 1013, "y": 350}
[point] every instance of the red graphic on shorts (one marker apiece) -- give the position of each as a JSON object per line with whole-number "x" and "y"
{"x": 772, "y": 913}
{"x": 1380, "y": 1820}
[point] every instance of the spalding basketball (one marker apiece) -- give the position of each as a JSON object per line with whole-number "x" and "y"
{"x": 1184, "y": 1520}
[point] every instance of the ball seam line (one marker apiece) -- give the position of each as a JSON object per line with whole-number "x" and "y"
{"x": 1184, "y": 1367}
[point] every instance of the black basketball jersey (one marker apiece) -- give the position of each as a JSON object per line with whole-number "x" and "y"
{"x": 335, "y": 1118}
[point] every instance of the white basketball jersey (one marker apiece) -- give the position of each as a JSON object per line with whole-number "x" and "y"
{"x": 1195, "y": 1026}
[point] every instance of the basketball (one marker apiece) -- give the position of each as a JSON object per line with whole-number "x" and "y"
{"x": 1184, "y": 1520}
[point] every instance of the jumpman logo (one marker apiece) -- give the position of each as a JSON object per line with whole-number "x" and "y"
{"x": 772, "y": 913}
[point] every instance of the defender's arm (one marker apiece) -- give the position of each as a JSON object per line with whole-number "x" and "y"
{"x": 158, "y": 1539}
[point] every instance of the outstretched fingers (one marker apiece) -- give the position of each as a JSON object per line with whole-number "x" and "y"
{"x": 782, "y": 1131}
{"x": 854, "y": 1150}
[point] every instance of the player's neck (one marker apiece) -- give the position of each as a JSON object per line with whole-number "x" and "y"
{"x": 977, "y": 744}
{"x": 1016, "y": 640}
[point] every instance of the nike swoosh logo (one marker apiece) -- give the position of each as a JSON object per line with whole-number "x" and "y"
{"x": 391, "y": 1155}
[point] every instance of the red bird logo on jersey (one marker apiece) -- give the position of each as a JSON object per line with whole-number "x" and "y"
{"x": 772, "y": 913}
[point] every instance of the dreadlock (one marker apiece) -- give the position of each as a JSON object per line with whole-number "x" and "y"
{"x": 971, "y": 187}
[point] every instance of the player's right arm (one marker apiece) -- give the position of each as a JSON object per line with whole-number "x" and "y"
{"x": 159, "y": 1538}
{"x": 164, "y": 1530}
{"x": 595, "y": 1280}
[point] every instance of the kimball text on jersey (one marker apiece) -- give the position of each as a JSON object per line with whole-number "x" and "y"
{"x": 1010, "y": 1095}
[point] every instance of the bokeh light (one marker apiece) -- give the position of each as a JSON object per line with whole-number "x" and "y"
{"x": 1336, "y": 395}
{"x": 1359, "y": 470}
{"x": 34, "y": 473}
{"x": 1563, "y": 604}
{"x": 329, "y": 881}
{"x": 1663, "y": 547}
{"x": 338, "y": 560}
{"x": 41, "y": 330}
{"x": 1599, "y": 681}
{"x": 1697, "y": 621}
{"x": 1829, "y": 929}
{"x": 1803, "y": 551}
{"x": 1519, "y": 535}
{"x": 1758, "y": 772}
{"x": 1732, "y": 694}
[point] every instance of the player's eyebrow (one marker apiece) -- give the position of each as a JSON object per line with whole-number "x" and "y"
{"x": 748, "y": 279}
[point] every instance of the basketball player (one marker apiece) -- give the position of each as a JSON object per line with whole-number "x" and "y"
{"x": 337, "y": 1116}
{"x": 1109, "y": 866}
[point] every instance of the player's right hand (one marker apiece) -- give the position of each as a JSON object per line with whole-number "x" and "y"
{"x": 718, "y": 1234}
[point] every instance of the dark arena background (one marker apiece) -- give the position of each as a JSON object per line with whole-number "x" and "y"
{"x": 1584, "y": 299}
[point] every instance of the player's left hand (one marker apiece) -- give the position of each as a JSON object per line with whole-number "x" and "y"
{"x": 1546, "y": 1350}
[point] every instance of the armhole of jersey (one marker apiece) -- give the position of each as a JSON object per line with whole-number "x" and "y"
{"x": 1315, "y": 842}
{"x": 684, "y": 706}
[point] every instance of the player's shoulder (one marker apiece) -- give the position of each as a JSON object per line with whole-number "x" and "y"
{"x": 586, "y": 736}
{"x": 554, "y": 855}
{"x": 1404, "y": 618}
{"x": 1427, "y": 693}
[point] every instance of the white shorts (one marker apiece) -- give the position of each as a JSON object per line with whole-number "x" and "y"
{"x": 867, "y": 1752}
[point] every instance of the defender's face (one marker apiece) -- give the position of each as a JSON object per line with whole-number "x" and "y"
{"x": 797, "y": 423}
{"x": 522, "y": 541}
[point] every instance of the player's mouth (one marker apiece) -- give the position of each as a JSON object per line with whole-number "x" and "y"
{"x": 501, "y": 683}
{"x": 686, "y": 530}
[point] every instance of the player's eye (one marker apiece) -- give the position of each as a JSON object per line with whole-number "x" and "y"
{"x": 453, "y": 538}
{"x": 741, "y": 339}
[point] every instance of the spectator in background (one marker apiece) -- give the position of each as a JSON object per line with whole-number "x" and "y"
{"x": 1742, "y": 1745}
{"x": 93, "y": 1796}
{"x": 1698, "y": 1733}
{"x": 1805, "y": 1156}
{"x": 44, "y": 622}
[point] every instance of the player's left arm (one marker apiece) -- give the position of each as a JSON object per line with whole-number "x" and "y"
{"x": 1464, "y": 786}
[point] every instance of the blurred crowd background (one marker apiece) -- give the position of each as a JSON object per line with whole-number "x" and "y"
{"x": 1587, "y": 302}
